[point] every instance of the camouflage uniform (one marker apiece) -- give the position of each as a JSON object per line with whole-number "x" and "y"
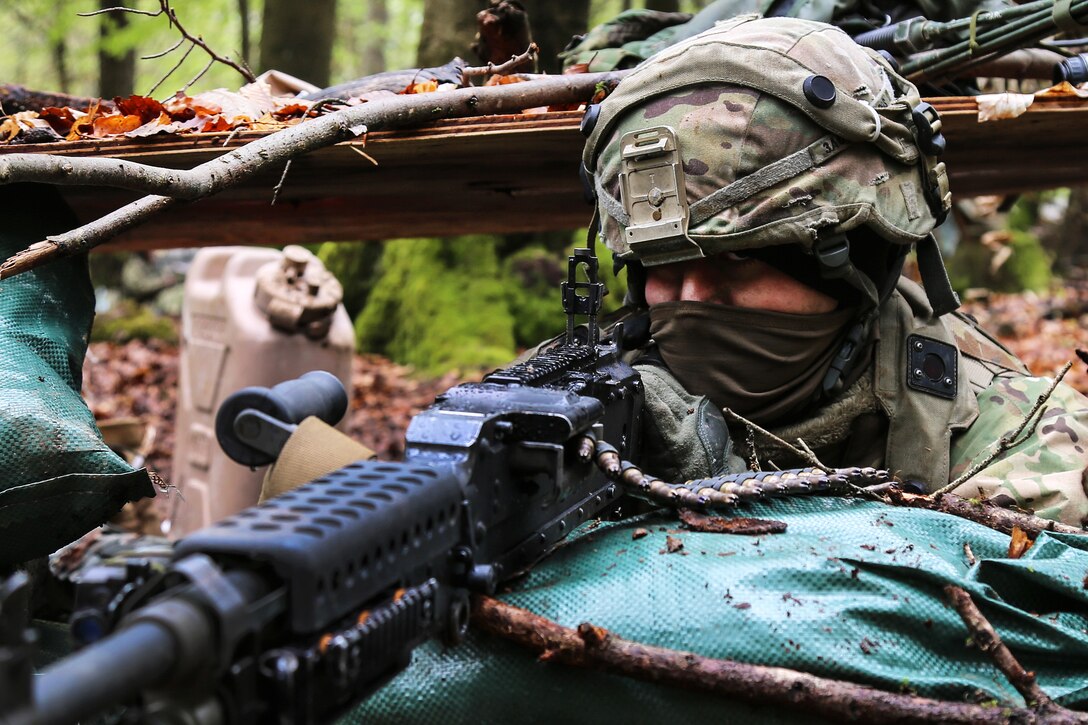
{"x": 761, "y": 164}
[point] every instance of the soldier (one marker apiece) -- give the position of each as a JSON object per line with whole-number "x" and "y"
{"x": 763, "y": 182}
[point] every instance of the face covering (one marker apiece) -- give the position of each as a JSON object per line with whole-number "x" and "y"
{"x": 762, "y": 365}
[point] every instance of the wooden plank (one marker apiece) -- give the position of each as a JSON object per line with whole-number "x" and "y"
{"x": 500, "y": 174}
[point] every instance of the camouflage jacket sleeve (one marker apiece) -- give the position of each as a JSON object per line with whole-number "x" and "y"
{"x": 1047, "y": 469}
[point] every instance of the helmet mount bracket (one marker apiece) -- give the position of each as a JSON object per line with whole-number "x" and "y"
{"x": 653, "y": 194}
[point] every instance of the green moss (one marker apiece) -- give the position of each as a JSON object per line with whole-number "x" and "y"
{"x": 355, "y": 264}
{"x": 439, "y": 305}
{"x": 534, "y": 295}
{"x": 130, "y": 321}
{"x": 1027, "y": 268}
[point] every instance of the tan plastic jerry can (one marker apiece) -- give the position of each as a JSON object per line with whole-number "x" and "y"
{"x": 251, "y": 316}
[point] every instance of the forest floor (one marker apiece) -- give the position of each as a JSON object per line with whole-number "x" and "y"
{"x": 139, "y": 379}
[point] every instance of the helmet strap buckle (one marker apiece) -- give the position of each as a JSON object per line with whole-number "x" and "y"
{"x": 832, "y": 252}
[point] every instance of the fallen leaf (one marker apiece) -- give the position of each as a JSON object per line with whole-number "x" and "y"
{"x": 114, "y": 125}
{"x": 639, "y": 533}
{"x": 1019, "y": 543}
{"x": 146, "y": 108}
{"x": 737, "y": 525}
{"x": 421, "y": 87}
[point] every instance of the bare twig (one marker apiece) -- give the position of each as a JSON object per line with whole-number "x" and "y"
{"x": 592, "y": 647}
{"x": 168, "y": 51}
{"x": 515, "y": 62}
{"x": 199, "y": 75}
{"x": 121, "y": 8}
{"x": 987, "y": 640}
{"x": 196, "y": 41}
{"x": 171, "y": 71}
{"x": 364, "y": 154}
{"x": 1012, "y": 438}
{"x": 283, "y": 178}
{"x": 804, "y": 455}
{"x": 234, "y": 166}
{"x": 971, "y": 560}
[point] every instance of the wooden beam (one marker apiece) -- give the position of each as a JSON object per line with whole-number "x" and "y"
{"x": 501, "y": 174}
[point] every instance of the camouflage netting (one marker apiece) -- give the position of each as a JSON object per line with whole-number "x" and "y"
{"x": 60, "y": 480}
{"x": 852, "y": 591}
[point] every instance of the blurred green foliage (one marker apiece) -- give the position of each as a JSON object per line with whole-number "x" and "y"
{"x": 131, "y": 321}
{"x": 1018, "y": 261}
{"x": 355, "y": 264}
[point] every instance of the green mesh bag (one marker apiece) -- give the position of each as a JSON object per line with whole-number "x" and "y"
{"x": 852, "y": 591}
{"x": 59, "y": 479}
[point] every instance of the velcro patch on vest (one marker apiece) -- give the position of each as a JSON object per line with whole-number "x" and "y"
{"x": 932, "y": 366}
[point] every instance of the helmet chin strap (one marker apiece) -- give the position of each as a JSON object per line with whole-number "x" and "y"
{"x": 834, "y": 258}
{"x": 942, "y": 298}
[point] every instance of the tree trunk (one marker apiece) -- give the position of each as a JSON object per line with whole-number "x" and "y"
{"x": 60, "y": 62}
{"x": 448, "y": 30}
{"x": 553, "y": 25}
{"x": 666, "y": 6}
{"x": 1069, "y": 242}
{"x": 297, "y": 38}
{"x": 116, "y": 73}
{"x": 377, "y": 23}
{"x": 243, "y": 16}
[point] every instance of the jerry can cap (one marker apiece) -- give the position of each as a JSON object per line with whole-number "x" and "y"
{"x": 298, "y": 294}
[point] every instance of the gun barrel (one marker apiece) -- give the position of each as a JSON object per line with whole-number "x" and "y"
{"x": 102, "y": 676}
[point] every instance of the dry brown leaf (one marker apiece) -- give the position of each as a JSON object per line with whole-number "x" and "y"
{"x": 503, "y": 80}
{"x": 1019, "y": 543}
{"x": 421, "y": 87}
{"x": 17, "y": 122}
{"x": 148, "y": 109}
{"x": 115, "y": 125}
{"x": 61, "y": 119}
{"x": 83, "y": 126}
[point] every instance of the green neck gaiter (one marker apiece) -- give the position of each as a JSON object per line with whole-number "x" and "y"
{"x": 762, "y": 365}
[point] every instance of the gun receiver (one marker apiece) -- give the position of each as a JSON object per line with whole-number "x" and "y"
{"x": 294, "y": 610}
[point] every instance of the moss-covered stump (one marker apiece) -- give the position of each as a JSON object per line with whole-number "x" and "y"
{"x": 454, "y": 304}
{"x": 439, "y": 304}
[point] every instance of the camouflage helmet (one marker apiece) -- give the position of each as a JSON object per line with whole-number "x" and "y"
{"x": 763, "y": 132}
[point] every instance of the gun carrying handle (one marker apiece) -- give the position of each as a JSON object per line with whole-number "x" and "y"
{"x": 314, "y": 450}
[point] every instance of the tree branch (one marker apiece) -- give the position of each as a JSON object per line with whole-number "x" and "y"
{"x": 516, "y": 61}
{"x": 987, "y": 640}
{"x": 237, "y": 165}
{"x": 592, "y": 647}
{"x": 981, "y": 512}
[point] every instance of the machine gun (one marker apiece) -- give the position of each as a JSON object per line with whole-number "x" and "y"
{"x": 294, "y": 610}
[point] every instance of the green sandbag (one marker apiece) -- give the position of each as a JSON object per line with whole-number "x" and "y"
{"x": 59, "y": 479}
{"x": 852, "y": 591}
